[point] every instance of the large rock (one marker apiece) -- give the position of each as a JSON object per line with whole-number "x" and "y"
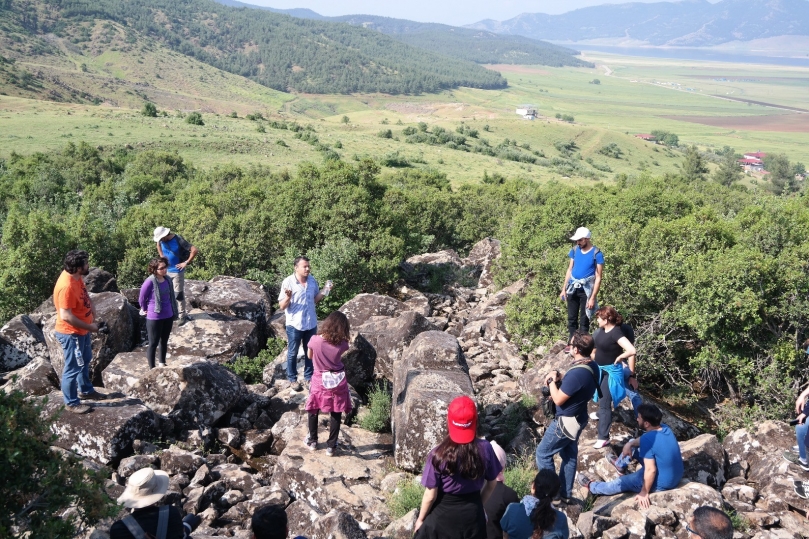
{"x": 681, "y": 501}
{"x": 240, "y": 298}
{"x": 105, "y": 434}
{"x": 431, "y": 374}
{"x": 445, "y": 257}
{"x": 99, "y": 280}
{"x": 390, "y": 336}
{"x": 193, "y": 395}
{"x": 704, "y": 460}
{"x": 359, "y": 361}
{"x": 482, "y": 256}
{"x": 363, "y": 307}
{"x": 128, "y": 368}
{"x": 121, "y": 320}
{"x": 21, "y": 341}
{"x": 336, "y": 525}
{"x": 215, "y": 336}
{"x": 37, "y": 378}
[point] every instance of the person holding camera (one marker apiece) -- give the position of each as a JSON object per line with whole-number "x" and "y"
{"x": 570, "y": 395}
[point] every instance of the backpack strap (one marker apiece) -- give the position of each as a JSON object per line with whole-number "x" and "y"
{"x": 596, "y": 250}
{"x": 595, "y": 378}
{"x": 163, "y": 522}
{"x": 133, "y": 527}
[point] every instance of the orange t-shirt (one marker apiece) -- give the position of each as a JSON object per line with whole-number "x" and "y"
{"x": 70, "y": 293}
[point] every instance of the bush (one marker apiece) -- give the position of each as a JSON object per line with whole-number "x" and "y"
{"x": 233, "y": 114}
{"x": 251, "y": 369}
{"x": 39, "y": 483}
{"x": 405, "y": 498}
{"x": 260, "y": 128}
{"x": 194, "y": 118}
{"x": 520, "y": 474}
{"x": 385, "y": 133}
{"x": 377, "y": 416}
{"x": 149, "y": 110}
{"x": 256, "y": 116}
{"x": 611, "y": 150}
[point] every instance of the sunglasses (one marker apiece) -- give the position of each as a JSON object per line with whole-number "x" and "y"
{"x": 689, "y": 530}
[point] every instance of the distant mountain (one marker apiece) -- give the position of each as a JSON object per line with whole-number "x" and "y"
{"x": 482, "y": 47}
{"x": 693, "y": 23}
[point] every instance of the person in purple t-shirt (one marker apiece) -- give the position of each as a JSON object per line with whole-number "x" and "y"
{"x": 328, "y": 391}
{"x": 158, "y": 303}
{"x": 459, "y": 476}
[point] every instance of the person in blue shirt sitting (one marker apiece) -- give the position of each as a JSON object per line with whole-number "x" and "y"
{"x": 658, "y": 451}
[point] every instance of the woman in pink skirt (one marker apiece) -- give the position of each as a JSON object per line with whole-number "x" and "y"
{"x": 328, "y": 391}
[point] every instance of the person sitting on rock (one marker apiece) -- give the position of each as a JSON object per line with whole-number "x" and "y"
{"x": 502, "y": 496}
{"x": 658, "y": 451}
{"x": 709, "y": 523}
{"x": 328, "y": 391}
{"x": 144, "y": 490}
{"x": 459, "y": 475}
{"x": 535, "y": 515}
{"x": 801, "y": 428}
{"x": 270, "y": 522}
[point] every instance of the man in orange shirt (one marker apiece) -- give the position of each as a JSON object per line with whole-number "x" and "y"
{"x": 75, "y": 317}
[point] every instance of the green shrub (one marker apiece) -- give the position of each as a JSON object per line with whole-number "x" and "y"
{"x": 256, "y": 116}
{"x": 520, "y": 474}
{"x": 39, "y": 483}
{"x": 377, "y": 416}
{"x": 261, "y": 128}
{"x": 233, "y": 114}
{"x": 251, "y": 369}
{"x": 405, "y": 498}
{"x": 385, "y": 133}
{"x": 194, "y": 118}
{"x": 149, "y": 110}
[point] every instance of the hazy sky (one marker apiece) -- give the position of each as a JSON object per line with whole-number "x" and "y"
{"x": 455, "y": 12}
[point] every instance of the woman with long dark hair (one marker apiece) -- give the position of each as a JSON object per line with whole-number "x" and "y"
{"x": 328, "y": 390}
{"x": 459, "y": 476}
{"x": 535, "y": 517}
{"x": 158, "y": 302}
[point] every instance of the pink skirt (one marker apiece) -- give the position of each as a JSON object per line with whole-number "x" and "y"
{"x": 321, "y": 399}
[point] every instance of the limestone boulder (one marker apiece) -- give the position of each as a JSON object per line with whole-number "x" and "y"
{"x": 105, "y": 434}
{"x": 402, "y": 528}
{"x": 176, "y": 460}
{"x": 239, "y": 298}
{"x": 482, "y": 256}
{"x": 336, "y": 525}
{"x": 704, "y": 460}
{"x": 99, "y": 280}
{"x": 215, "y": 336}
{"x": 681, "y": 501}
{"x": 21, "y": 341}
{"x": 390, "y": 336}
{"x": 363, "y": 307}
{"x": 36, "y": 378}
{"x": 128, "y": 368}
{"x": 192, "y": 395}
{"x": 122, "y": 328}
{"x": 445, "y": 257}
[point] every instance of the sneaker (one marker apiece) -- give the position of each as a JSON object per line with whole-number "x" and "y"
{"x": 561, "y": 501}
{"x": 183, "y": 321}
{"x": 329, "y": 451}
{"x": 612, "y": 458}
{"x": 78, "y": 409}
{"x": 789, "y": 456}
{"x": 594, "y": 415}
{"x": 310, "y": 443}
{"x": 795, "y": 449}
{"x": 94, "y": 396}
{"x": 801, "y": 489}
{"x": 601, "y": 443}
{"x": 160, "y": 364}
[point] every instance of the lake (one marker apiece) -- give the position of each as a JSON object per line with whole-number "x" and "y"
{"x": 693, "y": 54}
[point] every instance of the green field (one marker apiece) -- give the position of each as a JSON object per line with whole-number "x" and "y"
{"x": 635, "y": 95}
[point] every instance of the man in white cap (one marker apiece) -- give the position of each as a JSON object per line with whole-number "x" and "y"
{"x": 144, "y": 489}
{"x": 582, "y": 282}
{"x": 179, "y": 253}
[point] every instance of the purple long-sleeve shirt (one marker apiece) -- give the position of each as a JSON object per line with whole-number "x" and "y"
{"x": 147, "y": 302}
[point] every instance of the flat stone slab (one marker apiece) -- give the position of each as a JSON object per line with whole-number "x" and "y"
{"x": 214, "y": 336}
{"x": 128, "y": 368}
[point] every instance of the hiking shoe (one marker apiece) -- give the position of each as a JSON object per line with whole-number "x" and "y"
{"x": 561, "y": 500}
{"x": 94, "y": 396}
{"x": 594, "y": 415}
{"x": 795, "y": 459}
{"x": 584, "y": 481}
{"x": 183, "y": 320}
{"x": 613, "y": 459}
{"x": 601, "y": 443}
{"x": 330, "y": 451}
{"x": 801, "y": 489}
{"x": 161, "y": 364}
{"x": 78, "y": 409}
{"x": 310, "y": 443}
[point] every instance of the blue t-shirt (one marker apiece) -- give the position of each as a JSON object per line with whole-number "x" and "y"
{"x": 581, "y": 385}
{"x": 661, "y": 445}
{"x": 517, "y": 524}
{"x": 171, "y": 250}
{"x": 584, "y": 264}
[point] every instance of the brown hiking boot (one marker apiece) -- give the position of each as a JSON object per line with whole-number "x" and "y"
{"x": 78, "y": 409}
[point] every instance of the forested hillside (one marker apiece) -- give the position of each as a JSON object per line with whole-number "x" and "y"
{"x": 278, "y": 51}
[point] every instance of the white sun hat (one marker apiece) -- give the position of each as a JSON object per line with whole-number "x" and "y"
{"x": 160, "y": 233}
{"x": 144, "y": 487}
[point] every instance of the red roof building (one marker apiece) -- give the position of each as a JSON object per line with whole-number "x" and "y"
{"x": 646, "y": 136}
{"x": 755, "y": 155}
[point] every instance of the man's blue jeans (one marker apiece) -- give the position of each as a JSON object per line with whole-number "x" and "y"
{"x": 295, "y": 337}
{"x": 634, "y": 398}
{"x": 800, "y": 436}
{"x": 74, "y": 375}
{"x": 554, "y": 442}
{"x": 626, "y": 483}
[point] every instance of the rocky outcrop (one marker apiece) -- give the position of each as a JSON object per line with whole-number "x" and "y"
{"x": 106, "y": 434}
{"x": 192, "y": 395}
{"x": 36, "y": 379}
{"x": 216, "y": 337}
{"x": 431, "y": 374}
{"x": 390, "y": 336}
{"x": 99, "y": 280}
{"x": 360, "y": 362}
{"x": 128, "y": 368}
{"x": 363, "y": 307}
{"x": 482, "y": 258}
{"x": 21, "y": 341}
{"x": 239, "y": 298}
{"x": 337, "y": 525}
{"x": 704, "y": 460}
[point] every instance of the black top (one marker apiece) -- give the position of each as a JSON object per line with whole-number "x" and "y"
{"x": 628, "y": 332}
{"x": 580, "y": 384}
{"x": 495, "y": 508}
{"x": 147, "y": 518}
{"x": 607, "y": 347}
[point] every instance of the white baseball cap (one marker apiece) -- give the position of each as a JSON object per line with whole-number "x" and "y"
{"x": 160, "y": 233}
{"x": 581, "y": 232}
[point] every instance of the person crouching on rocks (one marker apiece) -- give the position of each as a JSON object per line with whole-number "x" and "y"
{"x": 328, "y": 391}
{"x": 144, "y": 489}
{"x": 535, "y": 515}
{"x": 459, "y": 475}
{"x": 159, "y": 304}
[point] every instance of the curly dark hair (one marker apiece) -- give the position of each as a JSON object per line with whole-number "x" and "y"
{"x": 75, "y": 260}
{"x": 155, "y": 263}
{"x": 451, "y": 458}
{"x": 610, "y": 315}
{"x": 335, "y": 328}
{"x": 270, "y": 522}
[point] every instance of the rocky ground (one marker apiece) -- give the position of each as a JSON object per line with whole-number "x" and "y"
{"x": 230, "y": 447}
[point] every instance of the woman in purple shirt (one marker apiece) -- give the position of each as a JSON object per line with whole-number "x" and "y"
{"x": 158, "y": 303}
{"x": 328, "y": 390}
{"x": 459, "y": 475}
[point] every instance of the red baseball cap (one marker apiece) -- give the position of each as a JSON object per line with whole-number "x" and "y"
{"x": 462, "y": 420}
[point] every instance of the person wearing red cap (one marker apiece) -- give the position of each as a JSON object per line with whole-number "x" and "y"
{"x": 459, "y": 475}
